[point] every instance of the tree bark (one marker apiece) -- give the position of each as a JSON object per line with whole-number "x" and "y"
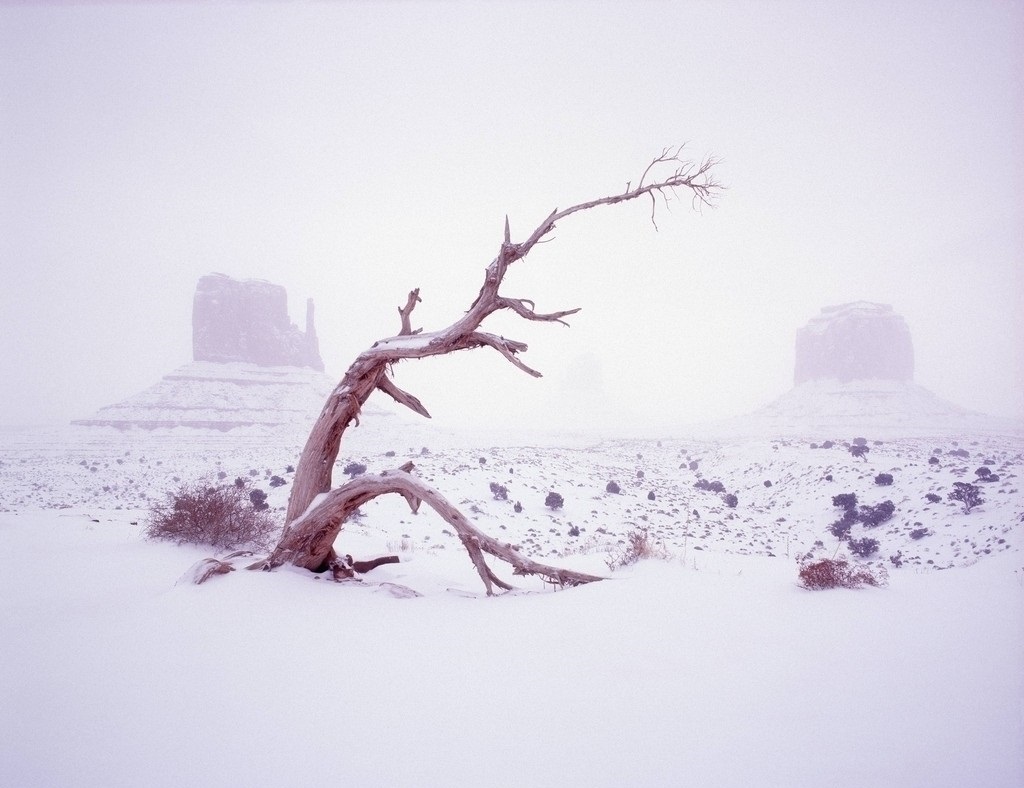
{"x": 316, "y": 512}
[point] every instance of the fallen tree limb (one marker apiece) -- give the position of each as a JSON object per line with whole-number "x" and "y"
{"x": 310, "y": 542}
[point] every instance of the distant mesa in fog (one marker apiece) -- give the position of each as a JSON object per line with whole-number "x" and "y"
{"x": 247, "y": 320}
{"x": 854, "y": 370}
{"x": 252, "y": 367}
{"x": 855, "y": 341}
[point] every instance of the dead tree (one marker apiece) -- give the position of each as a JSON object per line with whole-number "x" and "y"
{"x": 316, "y": 511}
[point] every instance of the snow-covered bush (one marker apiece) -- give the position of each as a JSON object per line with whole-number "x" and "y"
{"x": 258, "y": 499}
{"x": 883, "y": 479}
{"x": 704, "y": 484}
{"x": 845, "y": 500}
{"x": 864, "y": 547}
{"x": 499, "y": 491}
{"x": 730, "y": 500}
{"x": 860, "y": 451}
{"x": 223, "y": 517}
{"x": 873, "y": 516}
{"x": 554, "y": 501}
{"x": 841, "y": 528}
{"x": 354, "y": 469}
{"x": 966, "y": 494}
{"x": 613, "y": 488}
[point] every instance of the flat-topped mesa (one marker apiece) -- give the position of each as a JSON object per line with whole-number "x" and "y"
{"x": 856, "y": 341}
{"x": 247, "y": 320}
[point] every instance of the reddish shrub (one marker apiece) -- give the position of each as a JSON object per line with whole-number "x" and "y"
{"x": 223, "y": 517}
{"x": 838, "y": 573}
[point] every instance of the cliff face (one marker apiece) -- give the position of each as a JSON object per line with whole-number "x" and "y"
{"x": 856, "y": 341}
{"x": 247, "y": 321}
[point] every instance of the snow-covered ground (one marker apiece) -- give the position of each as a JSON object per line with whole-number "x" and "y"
{"x": 709, "y": 668}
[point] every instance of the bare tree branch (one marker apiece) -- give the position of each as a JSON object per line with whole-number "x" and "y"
{"x": 308, "y": 542}
{"x": 402, "y": 397}
{"x": 406, "y": 311}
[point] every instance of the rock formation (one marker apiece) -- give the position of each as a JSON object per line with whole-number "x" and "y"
{"x": 252, "y": 367}
{"x": 855, "y": 341}
{"x": 854, "y": 374}
{"x": 247, "y": 321}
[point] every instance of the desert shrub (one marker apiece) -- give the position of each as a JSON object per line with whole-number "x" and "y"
{"x": 883, "y": 479}
{"x": 730, "y": 500}
{"x": 840, "y": 529}
{"x": 857, "y": 450}
{"x": 222, "y": 517}
{"x": 258, "y": 499}
{"x": 919, "y": 533}
{"x": 873, "y": 516}
{"x": 694, "y": 465}
{"x": 983, "y": 472}
{"x": 837, "y": 573}
{"x": 239, "y": 482}
{"x": 932, "y": 498}
{"x": 517, "y": 508}
{"x": 639, "y": 474}
{"x": 574, "y": 530}
{"x": 860, "y": 441}
{"x": 554, "y": 501}
{"x": 933, "y": 460}
{"x": 847, "y": 501}
{"x": 966, "y": 494}
{"x": 354, "y": 469}
{"x": 897, "y": 560}
{"x": 960, "y": 453}
{"x": 221, "y": 475}
{"x": 277, "y": 481}
{"x": 499, "y": 491}
{"x": 613, "y": 488}
{"x": 639, "y": 546}
{"x": 864, "y": 547}
{"x": 767, "y": 483}
{"x": 290, "y": 469}
{"x": 704, "y": 484}
{"x": 650, "y": 495}
{"x": 828, "y": 444}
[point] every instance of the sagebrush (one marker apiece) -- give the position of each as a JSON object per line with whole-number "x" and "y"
{"x": 639, "y": 546}
{"x": 223, "y": 517}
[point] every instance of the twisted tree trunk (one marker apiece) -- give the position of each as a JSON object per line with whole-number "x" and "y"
{"x": 316, "y": 512}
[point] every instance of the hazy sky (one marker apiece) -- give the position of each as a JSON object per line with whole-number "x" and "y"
{"x": 353, "y": 151}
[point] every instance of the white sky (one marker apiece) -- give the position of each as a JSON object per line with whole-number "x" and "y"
{"x": 353, "y": 151}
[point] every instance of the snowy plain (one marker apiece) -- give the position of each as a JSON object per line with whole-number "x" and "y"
{"x": 711, "y": 667}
